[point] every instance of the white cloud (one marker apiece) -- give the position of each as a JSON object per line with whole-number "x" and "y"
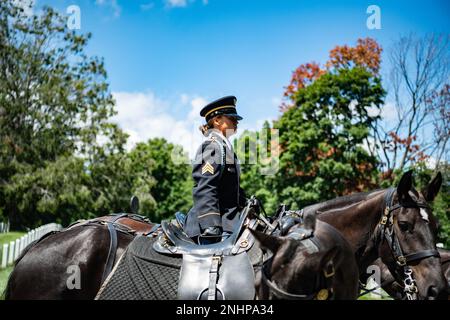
{"x": 182, "y": 3}
{"x": 369, "y": 144}
{"x": 373, "y": 111}
{"x": 431, "y": 163}
{"x": 388, "y": 112}
{"x": 176, "y": 3}
{"x": 197, "y": 103}
{"x": 112, "y": 4}
{"x": 144, "y": 116}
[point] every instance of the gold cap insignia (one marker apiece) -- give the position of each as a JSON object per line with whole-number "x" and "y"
{"x": 207, "y": 168}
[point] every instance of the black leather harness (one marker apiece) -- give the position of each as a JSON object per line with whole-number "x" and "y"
{"x": 112, "y": 245}
{"x": 386, "y": 232}
{"x": 324, "y": 281}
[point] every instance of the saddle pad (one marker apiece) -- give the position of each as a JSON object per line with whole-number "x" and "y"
{"x": 142, "y": 274}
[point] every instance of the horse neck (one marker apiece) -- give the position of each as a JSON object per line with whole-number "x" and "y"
{"x": 357, "y": 220}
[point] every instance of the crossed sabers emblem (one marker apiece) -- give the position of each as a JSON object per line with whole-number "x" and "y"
{"x": 207, "y": 168}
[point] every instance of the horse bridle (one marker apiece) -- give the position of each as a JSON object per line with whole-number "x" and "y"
{"x": 324, "y": 290}
{"x": 386, "y": 227}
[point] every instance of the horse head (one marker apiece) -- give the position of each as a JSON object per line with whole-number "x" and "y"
{"x": 408, "y": 233}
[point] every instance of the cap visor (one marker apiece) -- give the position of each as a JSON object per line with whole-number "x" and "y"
{"x": 234, "y": 115}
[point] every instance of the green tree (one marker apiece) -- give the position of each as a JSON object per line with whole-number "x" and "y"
{"x": 324, "y": 127}
{"x": 147, "y": 171}
{"x": 255, "y": 178}
{"x": 58, "y": 192}
{"x": 54, "y": 100}
{"x": 173, "y": 190}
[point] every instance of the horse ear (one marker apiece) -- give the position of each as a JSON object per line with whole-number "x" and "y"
{"x": 309, "y": 221}
{"x": 404, "y": 186}
{"x": 267, "y": 241}
{"x": 432, "y": 189}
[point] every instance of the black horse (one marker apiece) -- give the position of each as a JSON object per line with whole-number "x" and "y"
{"x": 313, "y": 261}
{"x": 396, "y": 225}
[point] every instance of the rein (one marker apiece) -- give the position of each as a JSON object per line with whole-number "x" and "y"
{"x": 386, "y": 232}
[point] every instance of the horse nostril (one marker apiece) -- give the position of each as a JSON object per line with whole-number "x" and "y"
{"x": 433, "y": 292}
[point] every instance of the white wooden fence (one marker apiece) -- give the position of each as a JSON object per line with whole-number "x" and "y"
{"x": 11, "y": 251}
{"x": 4, "y": 227}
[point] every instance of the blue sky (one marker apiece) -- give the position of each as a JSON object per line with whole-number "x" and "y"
{"x": 166, "y": 58}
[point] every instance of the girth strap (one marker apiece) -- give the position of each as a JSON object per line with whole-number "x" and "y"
{"x": 112, "y": 246}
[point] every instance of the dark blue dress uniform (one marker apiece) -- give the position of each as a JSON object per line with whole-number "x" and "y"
{"x": 217, "y": 194}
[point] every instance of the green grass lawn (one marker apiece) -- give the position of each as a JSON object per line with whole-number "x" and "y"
{"x": 4, "y": 274}
{"x": 9, "y": 236}
{"x": 384, "y": 296}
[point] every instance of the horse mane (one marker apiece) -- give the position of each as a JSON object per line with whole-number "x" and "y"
{"x": 342, "y": 201}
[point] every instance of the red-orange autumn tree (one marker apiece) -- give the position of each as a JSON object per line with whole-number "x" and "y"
{"x": 325, "y": 126}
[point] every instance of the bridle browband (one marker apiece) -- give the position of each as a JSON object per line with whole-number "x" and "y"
{"x": 386, "y": 232}
{"x": 324, "y": 281}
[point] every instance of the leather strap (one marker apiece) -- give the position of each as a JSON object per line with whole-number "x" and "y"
{"x": 421, "y": 255}
{"x": 213, "y": 275}
{"x": 112, "y": 246}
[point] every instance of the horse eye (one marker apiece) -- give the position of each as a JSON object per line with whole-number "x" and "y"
{"x": 404, "y": 226}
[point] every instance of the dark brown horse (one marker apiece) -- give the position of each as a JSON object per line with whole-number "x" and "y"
{"x": 47, "y": 268}
{"x": 313, "y": 261}
{"x": 396, "y": 225}
{"x": 395, "y": 290}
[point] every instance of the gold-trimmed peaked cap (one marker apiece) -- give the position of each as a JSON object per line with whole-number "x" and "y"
{"x": 223, "y": 106}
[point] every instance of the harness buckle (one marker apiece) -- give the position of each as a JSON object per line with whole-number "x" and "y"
{"x": 329, "y": 271}
{"x": 401, "y": 260}
{"x": 322, "y": 294}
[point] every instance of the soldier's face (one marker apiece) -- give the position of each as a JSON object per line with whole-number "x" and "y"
{"x": 227, "y": 125}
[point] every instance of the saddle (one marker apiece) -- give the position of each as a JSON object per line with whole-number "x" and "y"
{"x": 216, "y": 271}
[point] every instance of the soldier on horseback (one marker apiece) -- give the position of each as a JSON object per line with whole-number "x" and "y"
{"x": 216, "y": 193}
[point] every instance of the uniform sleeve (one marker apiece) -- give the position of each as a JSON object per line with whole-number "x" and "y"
{"x": 206, "y": 173}
{"x": 242, "y": 197}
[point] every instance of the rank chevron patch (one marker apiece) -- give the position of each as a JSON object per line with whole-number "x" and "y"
{"x": 207, "y": 168}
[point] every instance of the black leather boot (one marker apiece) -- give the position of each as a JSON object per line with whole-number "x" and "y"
{"x": 211, "y": 235}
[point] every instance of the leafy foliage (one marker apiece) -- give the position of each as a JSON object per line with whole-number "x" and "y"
{"x": 323, "y": 129}
{"x": 60, "y": 157}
